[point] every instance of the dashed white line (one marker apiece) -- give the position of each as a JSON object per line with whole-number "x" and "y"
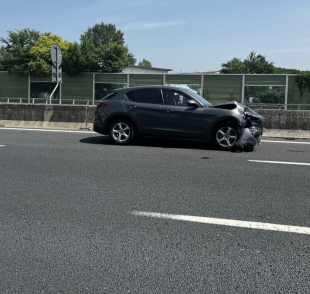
{"x": 2, "y": 145}
{"x": 285, "y": 142}
{"x": 48, "y": 130}
{"x": 281, "y": 162}
{"x": 226, "y": 222}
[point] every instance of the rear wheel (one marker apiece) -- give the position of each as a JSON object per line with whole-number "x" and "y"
{"x": 121, "y": 131}
{"x": 225, "y": 136}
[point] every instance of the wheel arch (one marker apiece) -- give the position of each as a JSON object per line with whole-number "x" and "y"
{"x": 119, "y": 116}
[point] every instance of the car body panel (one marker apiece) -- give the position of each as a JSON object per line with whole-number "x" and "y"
{"x": 148, "y": 117}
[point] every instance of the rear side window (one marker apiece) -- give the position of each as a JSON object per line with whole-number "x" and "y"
{"x": 131, "y": 96}
{"x": 109, "y": 96}
{"x": 152, "y": 96}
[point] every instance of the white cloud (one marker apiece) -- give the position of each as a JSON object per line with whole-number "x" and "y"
{"x": 152, "y": 25}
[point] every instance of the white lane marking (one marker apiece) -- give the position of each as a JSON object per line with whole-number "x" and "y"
{"x": 280, "y": 162}
{"x": 226, "y": 222}
{"x": 285, "y": 142}
{"x": 47, "y": 130}
{"x": 2, "y": 145}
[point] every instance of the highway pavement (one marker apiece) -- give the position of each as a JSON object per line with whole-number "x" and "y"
{"x": 81, "y": 215}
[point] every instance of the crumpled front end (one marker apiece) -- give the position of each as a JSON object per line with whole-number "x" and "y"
{"x": 251, "y": 131}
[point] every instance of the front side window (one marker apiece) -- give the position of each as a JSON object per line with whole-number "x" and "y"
{"x": 177, "y": 98}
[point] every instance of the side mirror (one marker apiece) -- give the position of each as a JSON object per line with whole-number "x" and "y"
{"x": 192, "y": 103}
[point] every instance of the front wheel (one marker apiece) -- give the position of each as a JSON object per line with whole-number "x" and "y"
{"x": 225, "y": 136}
{"x": 121, "y": 131}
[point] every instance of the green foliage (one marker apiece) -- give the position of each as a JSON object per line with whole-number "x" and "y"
{"x": 302, "y": 82}
{"x": 286, "y": 71}
{"x": 257, "y": 64}
{"x": 40, "y": 54}
{"x": 145, "y": 63}
{"x": 103, "y": 49}
{"x": 73, "y": 62}
{"x": 234, "y": 66}
{"x": 253, "y": 64}
{"x": 2, "y": 53}
{"x": 266, "y": 94}
{"x": 16, "y": 55}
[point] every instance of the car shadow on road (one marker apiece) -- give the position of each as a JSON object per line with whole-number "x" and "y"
{"x": 150, "y": 142}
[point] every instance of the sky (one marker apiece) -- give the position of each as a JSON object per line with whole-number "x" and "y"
{"x": 183, "y": 35}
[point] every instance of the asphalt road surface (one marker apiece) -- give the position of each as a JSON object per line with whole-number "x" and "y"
{"x": 80, "y": 215}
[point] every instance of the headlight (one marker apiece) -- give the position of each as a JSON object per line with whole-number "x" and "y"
{"x": 241, "y": 109}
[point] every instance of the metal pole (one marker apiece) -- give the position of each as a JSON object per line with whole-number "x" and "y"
{"x": 164, "y": 80}
{"x": 202, "y": 81}
{"x": 242, "y": 89}
{"x": 94, "y": 88}
{"x": 60, "y": 89}
{"x": 29, "y": 89}
{"x": 53, "y": 93}
{"x": 286, "y": 93}
{"x": 127, "y": 80}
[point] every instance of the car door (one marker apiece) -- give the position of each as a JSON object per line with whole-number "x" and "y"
{"x": 145, "y": 107}
{"x": 181, "y": 120}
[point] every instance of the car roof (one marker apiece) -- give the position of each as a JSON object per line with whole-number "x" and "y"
{"x": 149, "y": 87}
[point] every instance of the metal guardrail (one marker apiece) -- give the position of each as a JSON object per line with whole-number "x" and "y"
{"x": 275, "y": 105}
{"x": 46, "y": 101}
{"x": 92, "y": 102}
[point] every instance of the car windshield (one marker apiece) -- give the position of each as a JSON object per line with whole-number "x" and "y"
{"x": 199, "y": 98}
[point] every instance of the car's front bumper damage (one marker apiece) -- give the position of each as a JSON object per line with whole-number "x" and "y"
{"x": 250, "y": 133}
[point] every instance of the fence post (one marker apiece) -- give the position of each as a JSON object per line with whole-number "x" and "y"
{"x": 242, "y": 89}
{"x": 164, "y": 79}
{"x": 127, "y": 80}
{"x": 94, "y": 79}
{"x": 28, "y": 88}
{"x": 286, "y": 93}
{"x": 202, "y": 81}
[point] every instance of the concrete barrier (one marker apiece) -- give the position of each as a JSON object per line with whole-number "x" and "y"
{"x": 286, "y": 119}
{"x": 78, "y": 116}
{"x": 47, "y": 116}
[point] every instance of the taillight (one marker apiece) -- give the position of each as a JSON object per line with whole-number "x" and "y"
{"x": 101, "y": 105}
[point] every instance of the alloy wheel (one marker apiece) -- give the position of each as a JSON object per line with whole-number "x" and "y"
{"x": 226, "y": 137}
{"x": 121, "y": 132}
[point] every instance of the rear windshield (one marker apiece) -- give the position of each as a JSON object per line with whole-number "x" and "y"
{"x": 109, "y": 96}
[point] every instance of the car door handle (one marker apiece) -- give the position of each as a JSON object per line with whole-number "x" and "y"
{"x": 132, "y": 106}
{"x": 168, "y": 110}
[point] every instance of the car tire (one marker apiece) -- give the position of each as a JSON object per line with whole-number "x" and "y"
{"x": 121, "y": 131}
{"x": 225, "y": 135}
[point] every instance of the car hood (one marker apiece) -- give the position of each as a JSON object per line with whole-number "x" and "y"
{"x": 233, "y": 105}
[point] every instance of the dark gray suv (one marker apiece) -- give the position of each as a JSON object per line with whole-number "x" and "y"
{"x": 172, "y": 112}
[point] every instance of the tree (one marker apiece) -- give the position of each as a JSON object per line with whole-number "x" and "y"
{"x": 103, "y": 49}
{"x": 16, "y": 54}
{"x": 145, "y": 63}
{"x": 40, "y": 54}
{"x": 253, "y": 64}
{"x": 2, "y": 53}
{"x": 73, "y": 62}
{"x": 286, "y": 71}
{"x": 234, "y": 66}
{"x": 257, "y": 64}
